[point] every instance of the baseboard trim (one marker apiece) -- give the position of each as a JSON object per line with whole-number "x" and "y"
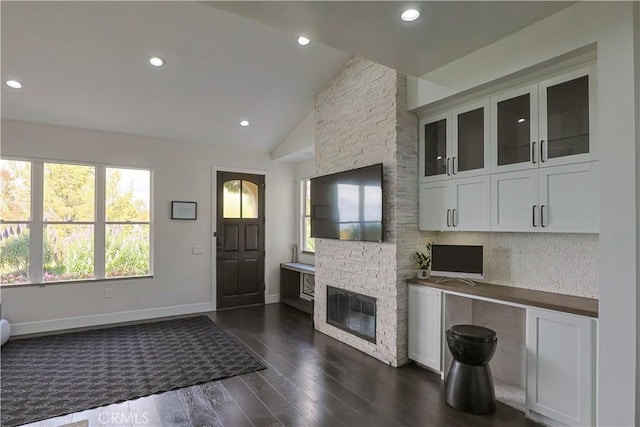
{"x": 274, "y": 298}
{"x": 105, "y": 319}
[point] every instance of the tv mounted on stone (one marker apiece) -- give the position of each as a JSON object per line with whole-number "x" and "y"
{"x": 348, "y": 205}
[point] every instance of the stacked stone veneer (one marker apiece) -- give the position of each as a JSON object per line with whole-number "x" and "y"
{"x": 362, "y": 119}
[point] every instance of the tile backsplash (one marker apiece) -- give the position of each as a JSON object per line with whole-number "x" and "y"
{"x": 553, "y": 262}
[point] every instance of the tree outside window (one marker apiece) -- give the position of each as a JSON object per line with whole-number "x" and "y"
{"x": 69, "y": 221}
{"x": 128, "y": 216}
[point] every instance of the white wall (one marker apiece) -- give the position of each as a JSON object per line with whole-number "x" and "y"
{"x": 182, "y": 281}
{"x": 300, "y": 143}
{"x": 610, "y": 25}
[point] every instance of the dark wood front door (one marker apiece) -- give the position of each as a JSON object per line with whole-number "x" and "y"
{"x": 240, "y": 239}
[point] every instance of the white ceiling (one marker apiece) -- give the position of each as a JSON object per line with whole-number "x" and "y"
{"x": 445, "y": 31}
{"x": 84, "y": 64}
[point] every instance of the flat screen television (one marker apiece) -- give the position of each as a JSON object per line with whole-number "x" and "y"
{"x": 348, "y": 205}
{"x": 458, "y": 261}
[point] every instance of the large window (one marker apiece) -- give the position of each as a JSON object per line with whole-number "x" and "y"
{"x": 308, "y": 243}
{"x": 62, "y": 222}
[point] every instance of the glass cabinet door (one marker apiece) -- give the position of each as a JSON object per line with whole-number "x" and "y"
{"x": 434, "y": 141}
{"x": 470, "y": 140}
{"x": 564, "y": 119}
{"x": 470, "y": 136}
{"x": 514, "y": 130}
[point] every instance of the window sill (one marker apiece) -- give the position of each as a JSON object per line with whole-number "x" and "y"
{"x": 67, "y": 282}
{"x": 307, "y": 253}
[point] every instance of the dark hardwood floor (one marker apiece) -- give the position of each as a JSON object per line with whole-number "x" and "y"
{"x": 310, "y": 380}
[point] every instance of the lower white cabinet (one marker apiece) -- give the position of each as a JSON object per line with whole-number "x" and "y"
{"x": 557, "y": 199}
{"x": 514, "y": 200}
{"x": 561, "y": 366}
{"x": 432, "y": 206}
{"x": 461, "y": 204}
{"x": 569, "y": 198}
{"x": 425, "y": 305}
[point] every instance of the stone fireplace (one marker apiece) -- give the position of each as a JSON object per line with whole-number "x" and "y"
{"x": 362, "y": 119}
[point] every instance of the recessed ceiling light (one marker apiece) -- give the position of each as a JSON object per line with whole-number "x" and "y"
{"x": 522, "y": 120}
{"x": 156, "y": 61}
{"x": 410, "y": 15}
{"x": 303, "y": 41}
{"x": 14, "y": 84}
{"x": 244, "y": 123}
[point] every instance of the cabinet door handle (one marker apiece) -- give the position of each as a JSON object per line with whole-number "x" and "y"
{"x": 453, "y": 217}
{"x": 533, "y": 152}
{"x": 447, "y": 168}
{"x": 533, "y": 215}
{"x": 542, "y": 216}
{"x": 542, "y": 153}
{"x": 448, "y": 217}
{"x": 453, "y": 166}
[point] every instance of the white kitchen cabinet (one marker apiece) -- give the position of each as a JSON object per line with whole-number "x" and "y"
{"x": 425, "y": 326}
{"x": 521, "y": 160}
{"x": 470, "y": 152}
{"x": 462, "y": 204}
{"x": 514, "y": 129}
{"x": 514, "y": 200}
{"x": 455, "y": 144}
{"x": 568, "y": 198}
{"x": 432, "y": 206}
{"x": 544, "y": 124}
{"x": 561, "y": 366}
{"x": 470, "y": 204}
{"x": 554, "y": 199}
{"x": 566, "y": 115}
{"x": 435, "y": 148}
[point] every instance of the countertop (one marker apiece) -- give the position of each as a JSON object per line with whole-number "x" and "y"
{"x": 529, "y": 297}
{"x": 299, "y": 267}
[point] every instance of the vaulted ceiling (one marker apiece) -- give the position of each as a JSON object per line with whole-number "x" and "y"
{"x": 85, "y": 64}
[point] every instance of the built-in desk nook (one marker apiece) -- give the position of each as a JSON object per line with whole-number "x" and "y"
{"x": 297, "y": 283}
{"x": 546, "y": 359}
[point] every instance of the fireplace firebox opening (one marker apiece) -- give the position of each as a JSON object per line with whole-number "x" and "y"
{"x": 352, "y": 312}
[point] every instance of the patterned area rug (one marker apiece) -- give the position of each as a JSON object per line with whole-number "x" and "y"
{"x": 55, "y": 375}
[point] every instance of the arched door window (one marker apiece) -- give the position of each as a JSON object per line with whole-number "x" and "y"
{"x": 240, "y": 199}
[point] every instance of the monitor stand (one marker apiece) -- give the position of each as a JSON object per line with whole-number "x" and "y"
{"x": 448, "y": 279}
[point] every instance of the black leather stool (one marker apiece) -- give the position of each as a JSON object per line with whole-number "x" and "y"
{"x": 469, "y": 385}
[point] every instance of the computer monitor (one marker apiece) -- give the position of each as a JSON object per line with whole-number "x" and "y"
{"x": 457, "y": 261}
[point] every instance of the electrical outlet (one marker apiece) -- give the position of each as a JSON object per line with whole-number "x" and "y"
{"x": 108, "y": 293}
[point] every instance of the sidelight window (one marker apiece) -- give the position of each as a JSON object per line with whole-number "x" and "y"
{"x": 308, "y": 243}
